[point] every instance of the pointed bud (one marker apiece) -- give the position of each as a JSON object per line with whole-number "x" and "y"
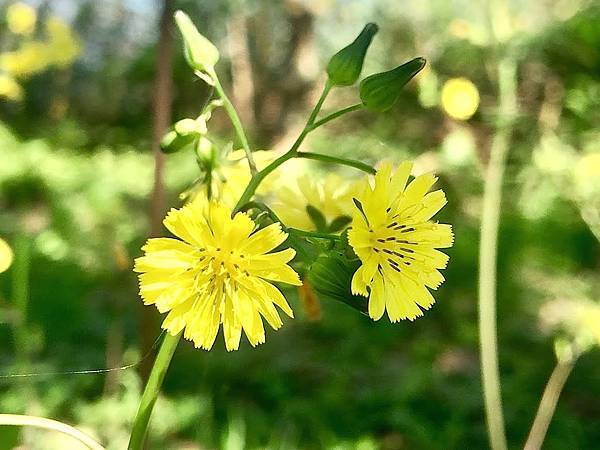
{"x": 380, "y": 91}
{"x": 345, "y": 66}
{"x": 199, "y": 52}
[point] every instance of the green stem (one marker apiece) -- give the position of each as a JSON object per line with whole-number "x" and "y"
{"x": 548, "y": 403}
{"x": 337, "y": 114}
{"x": 319, "y": 105}
{"x": 49, "y": 424}
{"x": 291, "y": 153}
{"x": 151, "y": 391}
{"x": 236, "y": 122}
{"x": 488, "y": 250}
{"x": 313, "y": 234}
{"x": 337, "y": 160}
{"x": 20, "y": 298}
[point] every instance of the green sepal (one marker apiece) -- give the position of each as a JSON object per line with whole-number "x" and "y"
{"x": 345, "y": 66}
{"x": 331, "y": 277}
{"x": 317, "y": 217}
{"x": 339, "y": 223}
{"x": 173, "y": 142}
{"x": 199, "y": 52}
{"x": 380, "y": 91}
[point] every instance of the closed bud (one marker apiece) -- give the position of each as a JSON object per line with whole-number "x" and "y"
{"x": 380, "y": 91}
{"x": 191, "y": 126}
{"x": 345, "y": 66}
{"x": 172, "y": 142}
{"x": 331, "y": 277}
{"x": 199, "y": 52}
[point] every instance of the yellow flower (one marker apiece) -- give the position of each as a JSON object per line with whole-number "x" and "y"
{"x": 6, "y": 256}
{"x": 396, "y": 242}
{"x": 21, "y": 18}
{"x": 331, "y": 196}
{"x": 460, "y": 98}
{"x": 220, "y": 272}
{"x": 9, "y": 88}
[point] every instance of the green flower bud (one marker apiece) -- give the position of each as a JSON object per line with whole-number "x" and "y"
{"x": 380, "y": 91}
{"x": 331, "y": 277}
{"x": 199, "y": 52}
{"x": 345, "y": 66}
{"x": 172, "y": 142}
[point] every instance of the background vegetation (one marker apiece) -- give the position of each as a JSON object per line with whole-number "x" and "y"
{"x": 77, "y": 182}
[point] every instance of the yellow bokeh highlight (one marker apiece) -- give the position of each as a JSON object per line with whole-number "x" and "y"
{"x": 21, "y": 18}
{"x": 6, "y": 256}
{"x": 9, "y": 88}
{"x": 460, "y": 98}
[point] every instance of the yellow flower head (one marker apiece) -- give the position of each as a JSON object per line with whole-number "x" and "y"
{"x": 9, "y": 88}
{"x": 220, "y": 272}
{"x": 6, "y": 256}
{"x": 331, "y": 196}
{"x": 396, "y": 242}
{"x": 460, "y": 98}
{"x": 21, "y": 18}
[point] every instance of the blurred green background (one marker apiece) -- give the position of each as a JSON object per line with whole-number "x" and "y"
{"x": 77, "y": 84}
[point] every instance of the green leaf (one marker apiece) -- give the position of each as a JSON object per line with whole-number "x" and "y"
{"x": 317, "y": 218}
{"x": 380, "y": 91}
{"x": 199, "y": 52}
{"x": 331, "y": 277}
{"x": 345, "y": 66}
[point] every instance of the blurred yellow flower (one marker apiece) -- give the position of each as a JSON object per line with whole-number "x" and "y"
{"x": 30, "y": 58}
{"x": 63, "y": 45}
{"x": 33, "y": 56}
{"x": 219, "y": 271}
{"x": 231, "y": 176}
{"x": 21, "y": 18}
{"x": 331, "y": 195}
{"x": 460, "y": 98}
{"x": 579, "y": 318}
{"x": 6, "y": 256}
{"x": 9, "y": 88}
{"x": 396, "y": 241}
{"x": 588, "y": 167}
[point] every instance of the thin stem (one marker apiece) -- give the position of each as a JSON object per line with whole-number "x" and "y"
{"x": 236, "y": 122}
{"x": 337, "y": 114}
{"x": 488, "y": 249}
{"x": 337, "y": 160}
{"x": 314, "y": 234}
{"x": 291, "y": 153}
{"x": 548, "y": 403}
{"x": 151, "y": 391}
{"x": 319, "y": 105}
{"x": 49, "y": 424}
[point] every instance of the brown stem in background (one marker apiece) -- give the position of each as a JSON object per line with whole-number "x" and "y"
{"x": 163, "y": 94}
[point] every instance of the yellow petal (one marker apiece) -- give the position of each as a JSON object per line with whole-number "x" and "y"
{"x": 264, "y": 240}
{"x": 377, "y": 299}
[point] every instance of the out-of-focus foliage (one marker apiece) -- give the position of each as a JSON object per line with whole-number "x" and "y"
{"x": 76, "y": 174}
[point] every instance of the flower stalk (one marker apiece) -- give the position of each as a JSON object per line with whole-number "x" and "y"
{"x": 488, "y": 250}
{"x": 548, "y": 403}
{"x": 236, "y": 122}
{"x": 151, "y": 391}
{"x": 49, "y": 424}
{"x": 293, "y": 152}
